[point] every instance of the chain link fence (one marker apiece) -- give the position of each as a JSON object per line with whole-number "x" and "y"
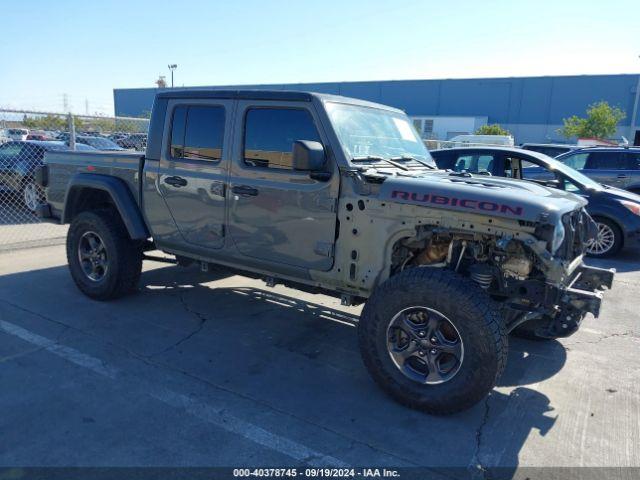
{"x": 25, "y": 137}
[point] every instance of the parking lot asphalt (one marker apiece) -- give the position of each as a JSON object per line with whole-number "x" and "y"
{"x": 213, "y": 369}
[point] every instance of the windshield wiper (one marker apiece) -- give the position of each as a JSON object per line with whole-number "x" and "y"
{"x": 407, "y": 157}
{"x": 374, "y": 158}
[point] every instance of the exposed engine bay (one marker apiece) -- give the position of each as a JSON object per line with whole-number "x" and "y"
{"x": 507, "y": 269}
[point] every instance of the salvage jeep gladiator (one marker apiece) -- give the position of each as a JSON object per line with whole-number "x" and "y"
{"x": 337, "y": 195}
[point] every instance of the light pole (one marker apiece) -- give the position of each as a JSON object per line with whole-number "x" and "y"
{"x": 634, "y": 114}
{"x": 172, "y": 67}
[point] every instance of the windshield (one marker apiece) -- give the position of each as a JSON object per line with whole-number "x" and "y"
{"x": 373, "y": 132}
{"x": 101, "y": 143}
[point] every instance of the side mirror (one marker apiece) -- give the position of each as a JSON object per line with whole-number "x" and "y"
{"x": 553, "y": 183}
{"x": 308, "y": 156}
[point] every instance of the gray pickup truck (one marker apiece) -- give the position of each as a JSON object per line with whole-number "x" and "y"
{"x": 339, "y": 196}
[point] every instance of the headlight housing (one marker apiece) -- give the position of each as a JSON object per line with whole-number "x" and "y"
{"x": 633, "y": 207}
{"x": 558, "y": 237}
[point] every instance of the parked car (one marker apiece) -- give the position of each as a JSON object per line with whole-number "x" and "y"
{"x": 117, "y": 136}
{"x": 462, "y": 140}
{"x": 616, "y": 212}
{"x": 17, "y": 134}
{"x": 137, "y": 141}
{"x": 336, "y": 194}
{"x": 4, "y": 136}
{"x": 41, "y": 136}
{"x": 615, "y": 166}
{"x": 18, "y": 162}
{"x": 550, "y": 149}
{"x": 99, "y": 143}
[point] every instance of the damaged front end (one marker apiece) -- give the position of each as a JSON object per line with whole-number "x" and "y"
{"x": 572, "y": 289}
{"x": 537, "y": 275}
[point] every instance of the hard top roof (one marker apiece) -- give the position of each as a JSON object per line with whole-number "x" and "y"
{"x": 284, "y": 95}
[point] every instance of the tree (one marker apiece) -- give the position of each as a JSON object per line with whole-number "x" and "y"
{"x": 601, "y": 122}
{"x": 493, "y": 129}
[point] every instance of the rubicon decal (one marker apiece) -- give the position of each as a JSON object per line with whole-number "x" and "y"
{"x": 471, "y": 204}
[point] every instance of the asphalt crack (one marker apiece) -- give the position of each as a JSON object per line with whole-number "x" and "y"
{"x": 476, "y": 466}
{"x": 201, "y": 318}
{"x": 627, "y": 334}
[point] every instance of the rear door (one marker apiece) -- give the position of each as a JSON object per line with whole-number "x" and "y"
{"x": 193, "y": 169}
{"x": 633, "y": 170}
{"x": 277, "y": 214}
{"x": 607, "y": 167}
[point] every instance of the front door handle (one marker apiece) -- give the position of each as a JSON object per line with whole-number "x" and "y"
{"x": 622, "y": 175}
{"x": 245, "y": 191}
{"x": 176, "y": 181}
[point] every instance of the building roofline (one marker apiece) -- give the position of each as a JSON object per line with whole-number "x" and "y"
{"x": 351, "y": 82}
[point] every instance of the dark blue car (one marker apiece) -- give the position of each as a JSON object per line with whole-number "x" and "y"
{"x": 616, "y": 211}
{"x": 615, "y": 166}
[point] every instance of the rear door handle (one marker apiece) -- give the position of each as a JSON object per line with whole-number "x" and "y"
{"x": 622, "y": 175}
{"x": 245, "y": 191}
{"x": 176, "y": 181}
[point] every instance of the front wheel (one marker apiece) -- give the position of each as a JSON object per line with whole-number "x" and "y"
{"x": 433, "y": 340}
{"x": 104, "y": 262}
{"x": 608, "y": 240}
{"x": 32, "y": 196}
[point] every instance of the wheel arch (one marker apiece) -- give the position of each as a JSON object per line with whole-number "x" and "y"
{"x": 91, "y": 191}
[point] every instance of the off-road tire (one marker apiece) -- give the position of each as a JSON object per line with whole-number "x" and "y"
{"x": 473, "y": 313}
{"x": 124, "y": 256}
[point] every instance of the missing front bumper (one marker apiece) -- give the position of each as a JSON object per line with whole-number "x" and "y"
{"x": 585, "y": 292}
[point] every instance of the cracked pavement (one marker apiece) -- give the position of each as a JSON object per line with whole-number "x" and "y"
{"x": 213, "y": 369}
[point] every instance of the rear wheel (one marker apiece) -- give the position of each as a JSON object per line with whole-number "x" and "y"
{"x": 104, "y": 262}
{"x": 433, "y": 340}
{"x": 608, "y": 241}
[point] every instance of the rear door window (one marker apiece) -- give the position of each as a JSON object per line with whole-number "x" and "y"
{"x": 633, "y": 161}
{"x": 197, "y": 132}
{"x": 605, "y": 161}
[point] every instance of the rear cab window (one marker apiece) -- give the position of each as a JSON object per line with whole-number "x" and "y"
{"x": 270, "y": 132}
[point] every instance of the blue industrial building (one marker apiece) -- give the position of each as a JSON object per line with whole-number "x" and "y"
{"x": 531, "y": 108}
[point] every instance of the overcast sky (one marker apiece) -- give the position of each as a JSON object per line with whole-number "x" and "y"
{"x": 85, "y": 49}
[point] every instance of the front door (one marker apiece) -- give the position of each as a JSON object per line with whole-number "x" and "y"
{"x": 277, "y": 214}
{"x": 193, "y": 169}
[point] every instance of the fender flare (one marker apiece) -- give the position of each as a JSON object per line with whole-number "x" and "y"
{"x": 119, "y": 193}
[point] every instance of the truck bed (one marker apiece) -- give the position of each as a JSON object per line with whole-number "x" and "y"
{"x": 64, "y": 165}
